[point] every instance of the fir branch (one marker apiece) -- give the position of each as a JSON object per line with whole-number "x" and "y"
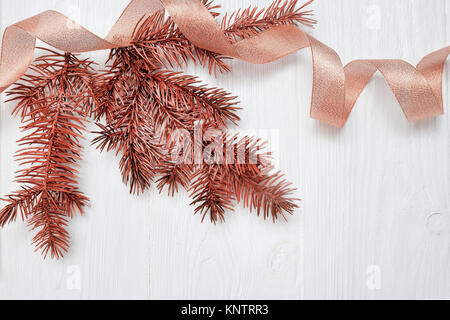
{"x": 143, "y": 107}
{"x": 246, "y": 23}
{"x": 53, "y": 107}
{"x": 168, "y": 101}
{"x": 244, "y": 176}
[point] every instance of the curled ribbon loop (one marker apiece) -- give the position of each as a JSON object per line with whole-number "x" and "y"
{"x": 335, "y": 88}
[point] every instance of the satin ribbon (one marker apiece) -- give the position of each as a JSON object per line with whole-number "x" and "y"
{"x": 335, "y": 88}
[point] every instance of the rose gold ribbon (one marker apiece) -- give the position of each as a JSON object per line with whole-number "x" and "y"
{"x": 335, "y": 88}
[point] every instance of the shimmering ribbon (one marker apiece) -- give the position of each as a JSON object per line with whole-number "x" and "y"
{"x": 335, "y": 87}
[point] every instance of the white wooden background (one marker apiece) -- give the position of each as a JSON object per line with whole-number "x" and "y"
{"x": 366, "y": 227}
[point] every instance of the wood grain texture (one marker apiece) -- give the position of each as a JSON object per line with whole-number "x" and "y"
{"x": 368, "y": 189}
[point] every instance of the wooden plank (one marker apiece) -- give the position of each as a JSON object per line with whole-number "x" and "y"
{"x": 368, "y": 190}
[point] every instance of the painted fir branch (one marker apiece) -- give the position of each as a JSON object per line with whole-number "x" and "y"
{"x": 137, "y": 83}
{"x": 246, "y": 23}
{"x": 53, "y": 103}
{"x": 143, "y": 106}
{"x": 245, "y": 177}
